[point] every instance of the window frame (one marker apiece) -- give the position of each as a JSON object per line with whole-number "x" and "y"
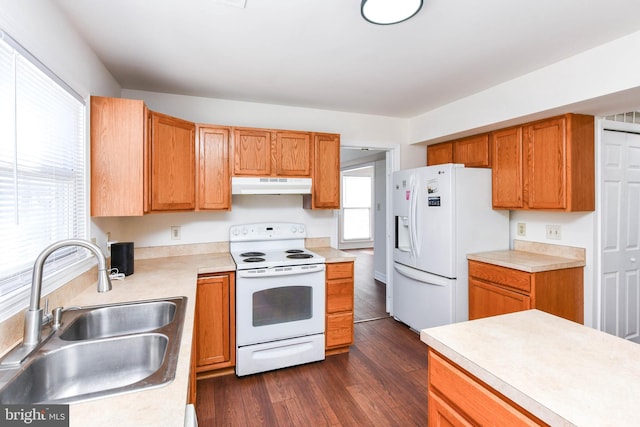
{"x": 17, "y": 300}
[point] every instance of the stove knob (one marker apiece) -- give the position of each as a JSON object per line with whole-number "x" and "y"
{"x": 235, "y": 231}
{"x": 293, "y": 229}
{"x": 244, "y": 230}
{"x": 301, "y": 228}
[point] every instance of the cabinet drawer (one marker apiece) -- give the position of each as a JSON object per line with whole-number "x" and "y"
{"x": 339, "y": 330}
{"x": 339, "y": 295}
{"x": 509, "y": 277}
{"x": 478, "y": 402}
{"x": 341, "y": 270}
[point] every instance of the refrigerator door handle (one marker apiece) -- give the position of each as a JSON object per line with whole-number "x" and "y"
{"x": 413, "y": 221}
{"x": 418, "y": 275}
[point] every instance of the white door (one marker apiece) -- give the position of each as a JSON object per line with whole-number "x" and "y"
{"x": 621, "y": 234}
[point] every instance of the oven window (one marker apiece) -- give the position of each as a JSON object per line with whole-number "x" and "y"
{"x": 281, "y": 305}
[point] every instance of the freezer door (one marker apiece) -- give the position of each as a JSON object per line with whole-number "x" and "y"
{"x": 422, "y": 300}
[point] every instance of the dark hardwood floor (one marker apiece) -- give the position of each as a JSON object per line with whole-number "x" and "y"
{"x": 382, "y": 381}
{"x": 369, "y": 293}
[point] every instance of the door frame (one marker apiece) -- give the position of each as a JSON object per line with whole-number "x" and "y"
{"x": 392, "y": 164}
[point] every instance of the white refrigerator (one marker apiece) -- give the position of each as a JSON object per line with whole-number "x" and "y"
{"x": 441, "y": 214}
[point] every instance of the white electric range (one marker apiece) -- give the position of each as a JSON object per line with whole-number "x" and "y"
{"x": 280, "y": 297}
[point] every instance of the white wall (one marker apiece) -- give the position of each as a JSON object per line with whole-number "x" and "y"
{"x": 356, "y": 130}
{"x": 600, "y": 81}
{"x": 577, "y": 229}
{"x": 43, "y": 30}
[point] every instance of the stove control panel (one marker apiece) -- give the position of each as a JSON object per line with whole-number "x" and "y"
{"x": 267, "y": 231}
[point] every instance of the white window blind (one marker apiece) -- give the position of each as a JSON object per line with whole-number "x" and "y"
{"x": 42, "y": 168}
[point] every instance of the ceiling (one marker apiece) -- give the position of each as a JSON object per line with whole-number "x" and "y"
{"x": 322, "y": 54}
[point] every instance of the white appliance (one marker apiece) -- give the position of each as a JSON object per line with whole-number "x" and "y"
{"x": 280, "y": 297}
{"x": 270, "y": 185}
{"x": 441, "y": 214}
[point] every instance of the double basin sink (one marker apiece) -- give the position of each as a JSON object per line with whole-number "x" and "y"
{"x": 100, "y": 351}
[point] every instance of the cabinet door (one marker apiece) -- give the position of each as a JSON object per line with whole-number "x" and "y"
{"x": 507, "y": 172}
{"x": 438, "y": 154}
{"x": 172, "y": 164}
{"x": 214, "y": 186}
{"x": 473, "y": 151}
{"x": 339, "y": 330}
{"x": 119, "y": 157}
{"x": 326, "y": 172}
{"x": 252, "y": 152}
{"x": 441, "y": 414}
{"x": 214, "y": 317}
{"x": 487, "y": 300}
{"x": 293, "y": 154}
{"x": 546, "y": 164}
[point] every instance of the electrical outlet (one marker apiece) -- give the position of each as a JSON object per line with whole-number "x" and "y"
{"x": 175, "y": 232}
{"x": 553, "y": 232}
{"x": 522, "y": 229}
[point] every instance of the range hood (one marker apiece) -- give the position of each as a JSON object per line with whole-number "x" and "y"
{"x": 270, "y": 185}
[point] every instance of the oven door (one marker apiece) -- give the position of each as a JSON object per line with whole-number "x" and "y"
{"x": 279, "y": 303}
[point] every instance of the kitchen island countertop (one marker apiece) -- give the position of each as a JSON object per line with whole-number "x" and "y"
{"x": 564, "y": 373}
{"x": 153, "y": 278}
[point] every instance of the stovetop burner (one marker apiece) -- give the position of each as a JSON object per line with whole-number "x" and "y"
{"x": 270, "y": 245}
{"x": 299, "y": 256}
{"x": 253, "y": 254}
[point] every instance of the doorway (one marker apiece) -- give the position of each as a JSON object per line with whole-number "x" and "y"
{"x": 362, "y": 226}
{"x": 620, "y": 230}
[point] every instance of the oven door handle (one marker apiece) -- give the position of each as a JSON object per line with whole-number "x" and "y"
{"x": 280, "y": 271}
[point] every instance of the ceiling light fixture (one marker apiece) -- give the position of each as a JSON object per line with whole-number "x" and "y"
{"x": 387, "y": 12}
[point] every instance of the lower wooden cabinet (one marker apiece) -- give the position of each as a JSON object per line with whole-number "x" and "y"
{"x": 215, "y": 331}
{"x": 495, "y": 290}
{"x": 457, "y": 398}
{"x": 339, "y": 307}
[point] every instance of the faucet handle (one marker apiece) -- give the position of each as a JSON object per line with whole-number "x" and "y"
{"x": 46, "y": 316}
{"x": 56, "y": 320}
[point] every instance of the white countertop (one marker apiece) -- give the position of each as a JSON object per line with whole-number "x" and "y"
{"x": 562, "y": 372}
{"x": 153, "y": 278}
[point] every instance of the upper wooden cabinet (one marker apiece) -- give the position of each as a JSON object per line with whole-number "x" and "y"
{"x": 438, "y": 154}
{"x": 472, "y": 151}
{"x": 548, "y": 164}
{"x": 262, "y": 152}
{"x": 293, "y": 151}
{"x": 251, "y": 152}
{"x": 172, "y": 163}
{"x": 119, "y": 158}
{"x": 326, "y": 173}
{"x": 213, "y": 175}
{"x": 507, "y": 168}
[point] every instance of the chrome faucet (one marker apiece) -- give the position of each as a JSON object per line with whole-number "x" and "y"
{"x": 33, "y": 316}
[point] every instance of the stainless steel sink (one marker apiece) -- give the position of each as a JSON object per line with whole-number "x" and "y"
{"x": 117, "y": 320}
{"x": 101, "y": 351}
{"x": 87, "y": 369}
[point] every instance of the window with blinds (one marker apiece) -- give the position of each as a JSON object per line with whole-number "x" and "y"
{"x": 42, "y": 168}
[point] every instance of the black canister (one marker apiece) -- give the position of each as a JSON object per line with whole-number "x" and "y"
{"x": 122, "y": 257}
